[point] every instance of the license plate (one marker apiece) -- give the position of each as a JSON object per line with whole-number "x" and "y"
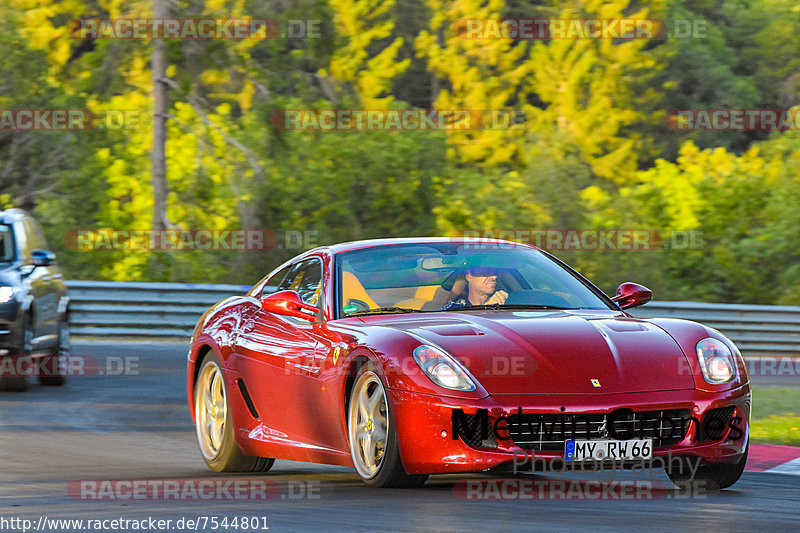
{"x": 582, "y": 450}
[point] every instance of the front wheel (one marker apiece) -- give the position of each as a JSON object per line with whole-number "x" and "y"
{"x": 373, "y": 440}
{"x": 56, "y": 364}
{"x": 214, "y": 424}
{"x": 712, "y": 476}
{"x": 17, "y": 381}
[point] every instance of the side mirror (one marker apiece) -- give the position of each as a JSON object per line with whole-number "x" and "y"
{"x": 43, "y": 258}
{"x": 632, "y": 294}
{"x": 288, "y": 303}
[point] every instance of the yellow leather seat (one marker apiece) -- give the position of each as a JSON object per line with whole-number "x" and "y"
{"x": 422, "y": 295}
{"x": 352, "y": 289}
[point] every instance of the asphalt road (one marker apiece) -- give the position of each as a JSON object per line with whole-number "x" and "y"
{"x": 126, "y": 423}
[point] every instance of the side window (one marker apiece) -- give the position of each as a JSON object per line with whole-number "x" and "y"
{"x": 268, "y": 284}
{"x": 6, "y": 243}
{"x": 34, "y": 235}
{"x": 305, "y": 278}
{"x": 31, "y": 237}
{"x": 272, "y": 284}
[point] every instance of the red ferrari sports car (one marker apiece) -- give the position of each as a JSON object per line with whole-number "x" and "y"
{"x": 409, "y": 357}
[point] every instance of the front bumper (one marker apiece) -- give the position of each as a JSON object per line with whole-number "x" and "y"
{"x": 10, "y": 327}
{"x": 424, "y": 426}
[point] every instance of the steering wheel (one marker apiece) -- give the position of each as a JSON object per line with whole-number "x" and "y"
{"x": 361, "y": 305}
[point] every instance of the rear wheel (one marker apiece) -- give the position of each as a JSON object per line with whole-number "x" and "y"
{"x": 712, "y": 476}
{"x": 215, "y": 426}
{"x": 373, "y": 440}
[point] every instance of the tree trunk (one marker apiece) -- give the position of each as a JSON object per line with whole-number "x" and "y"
{"x": 160, "y": 108}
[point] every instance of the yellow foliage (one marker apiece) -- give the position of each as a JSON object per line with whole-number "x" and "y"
{"x": 583, "y": 84}
{"x": 361, "y": 22}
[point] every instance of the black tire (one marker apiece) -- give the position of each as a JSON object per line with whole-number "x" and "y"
{"x": 217, "y": 443}
{"x": 385, "y": 468}
{"x": 56, "y": 364}
{"x": 16, "y": 383}
{"x": 13, "y": 383}
{"x": 711, "y": 476}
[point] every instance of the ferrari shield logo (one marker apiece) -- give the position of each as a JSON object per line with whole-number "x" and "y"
{"x": 336, "y": 354}
{"x": 595, "y": 382}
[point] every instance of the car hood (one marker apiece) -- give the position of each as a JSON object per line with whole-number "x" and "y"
{"x": 555, "y": 352}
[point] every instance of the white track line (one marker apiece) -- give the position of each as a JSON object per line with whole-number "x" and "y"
{"x": 791, "y": 467}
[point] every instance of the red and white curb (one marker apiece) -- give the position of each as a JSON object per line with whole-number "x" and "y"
{"x": 774, "y": 458}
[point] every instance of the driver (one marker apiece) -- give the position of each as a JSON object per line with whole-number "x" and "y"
{"x": 481, "y": 289}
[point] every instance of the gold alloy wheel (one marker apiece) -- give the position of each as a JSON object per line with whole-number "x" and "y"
{"x": 210, "y": 410}
{"x": 368, "y": 424}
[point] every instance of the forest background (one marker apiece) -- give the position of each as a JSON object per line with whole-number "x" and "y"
{"x": 593, "y": 149}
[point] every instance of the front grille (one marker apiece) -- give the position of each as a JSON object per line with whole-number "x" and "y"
{"x": 715, "y": 422}
{"x": 473, "y": 428}
{"x": 547, "y": 432}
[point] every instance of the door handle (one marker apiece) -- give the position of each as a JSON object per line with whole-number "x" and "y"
{"x": 248, "y": 326}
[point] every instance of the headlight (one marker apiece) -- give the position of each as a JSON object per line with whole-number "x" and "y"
{"x": 441, "y": 368}
{"x": 6, "y": 293}
{"x": 716, "y": 360}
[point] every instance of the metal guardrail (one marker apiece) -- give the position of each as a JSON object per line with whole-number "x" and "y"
{"x": 142, "y": 309}
{"x": 756, "y": 329}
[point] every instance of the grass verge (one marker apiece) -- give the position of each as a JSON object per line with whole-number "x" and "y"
{"x": 776, "y": 416}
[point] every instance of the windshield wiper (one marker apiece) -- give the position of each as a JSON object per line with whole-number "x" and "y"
{"x": 384, "y": 310}
{"x": 498, "y": 306}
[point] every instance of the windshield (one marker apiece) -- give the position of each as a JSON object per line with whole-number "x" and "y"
{"x": 456, "y": 276}
{"x": 6, "y": 244}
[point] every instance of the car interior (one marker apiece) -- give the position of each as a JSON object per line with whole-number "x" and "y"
{"x": 419, "y": 297}
{"x": 419, "y": 279}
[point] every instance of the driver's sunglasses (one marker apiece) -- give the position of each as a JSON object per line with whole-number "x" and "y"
{"x": 482, "y": 272}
